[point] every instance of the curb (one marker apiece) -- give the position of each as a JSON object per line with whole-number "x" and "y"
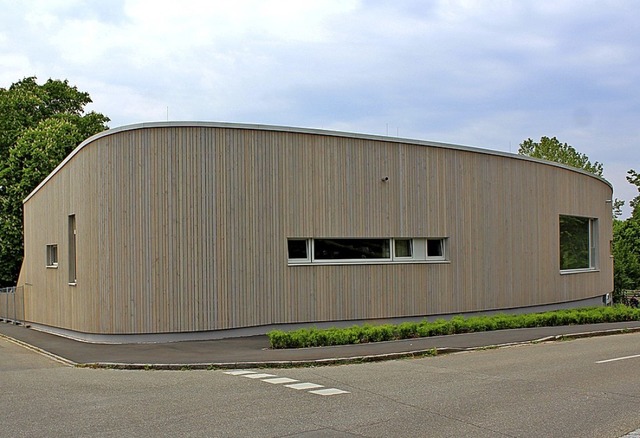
{"x": 588, "y": 334}
{"x": 430, "y": 352}
{"x": 275, "y": 364}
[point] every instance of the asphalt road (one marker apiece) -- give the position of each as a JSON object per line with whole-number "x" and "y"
{"x": 558, "y": 389}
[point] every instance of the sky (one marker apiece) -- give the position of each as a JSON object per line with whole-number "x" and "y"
{"x": 487, "y": 74}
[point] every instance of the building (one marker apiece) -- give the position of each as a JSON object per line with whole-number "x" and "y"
{"x": 210, "y": 229}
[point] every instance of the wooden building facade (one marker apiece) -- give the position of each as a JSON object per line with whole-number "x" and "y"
{"x": 198, "y": 227}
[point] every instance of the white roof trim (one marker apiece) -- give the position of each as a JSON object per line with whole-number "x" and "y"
{"x": 300, "y": 131}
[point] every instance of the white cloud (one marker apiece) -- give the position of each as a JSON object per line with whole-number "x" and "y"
{"x": 14, "y": 67}
{"x": 485, "y": 74}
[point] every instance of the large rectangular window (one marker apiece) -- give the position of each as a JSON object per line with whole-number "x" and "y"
{"x": 365, "y": 250}
{"x": 73, "y": 278}
{"x": 578, "y": 249}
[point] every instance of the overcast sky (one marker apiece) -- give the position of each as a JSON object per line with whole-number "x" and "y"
{"x": 488, "y": 74}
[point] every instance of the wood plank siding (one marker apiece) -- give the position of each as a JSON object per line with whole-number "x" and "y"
{"x": 184, "y": 227}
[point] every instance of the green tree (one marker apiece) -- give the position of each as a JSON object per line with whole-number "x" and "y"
{"x": 634, "y": 178}
{"x": 39, "y": 126}
{"x": 616, "y": 208}
{"x": 552, "y": 149}
{"x": 626, "y": 245}
{"x": 626, "y": 256}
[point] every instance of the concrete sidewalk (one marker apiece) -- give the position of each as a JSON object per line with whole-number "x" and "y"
{"x": 254, "y": 351}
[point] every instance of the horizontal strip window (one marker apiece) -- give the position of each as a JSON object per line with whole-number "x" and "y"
{"x": 366, "y": 251}
{"x": 350, "y": 249}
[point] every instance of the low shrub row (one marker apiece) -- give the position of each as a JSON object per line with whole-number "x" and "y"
{"x": 314, "y": 337}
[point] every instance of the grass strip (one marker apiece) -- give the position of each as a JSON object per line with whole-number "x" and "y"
{"x": 358, "y": 334}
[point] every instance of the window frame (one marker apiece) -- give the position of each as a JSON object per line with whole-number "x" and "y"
{"x": 72, "y": 249}
{"x": 297, "y": 260}
{"x": 52, "y": 256}
{"x": 316, "y": 259}
{"x": 442, "y": 249}
{"x": 394, "y": 249}
{"x": 418, "y": 247}
{"x": 592, "y": 245}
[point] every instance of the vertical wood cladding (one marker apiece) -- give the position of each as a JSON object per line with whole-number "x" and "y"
{"x": 184, "y": 228}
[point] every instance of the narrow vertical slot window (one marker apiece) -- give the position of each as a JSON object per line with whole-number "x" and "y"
{"x": 73, "y": 278}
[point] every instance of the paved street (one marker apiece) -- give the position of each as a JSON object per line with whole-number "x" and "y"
{"x": 580, "y": 388}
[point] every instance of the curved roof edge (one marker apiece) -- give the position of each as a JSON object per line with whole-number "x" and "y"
{"x": 325, "y": 132}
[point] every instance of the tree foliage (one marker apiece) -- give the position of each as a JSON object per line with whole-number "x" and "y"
{"x": 626, "y": 245}
{"x": 634, "y": 178}
{"x": 552, "y": 149}
{"x": 616, "y": 208}
{"x": 39, "y": 126}
{"x": 626, "y": 255}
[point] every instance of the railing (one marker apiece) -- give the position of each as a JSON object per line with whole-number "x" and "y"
{"x": 12, "y": 304}
{"x": 631, "y": 298}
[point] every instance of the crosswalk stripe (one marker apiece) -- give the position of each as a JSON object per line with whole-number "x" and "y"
{"x": 280, "y": 380}
{"x": 299, "y": 386}
{"x": 239, "y": 372}
{"x": 258, "y": 376}
{"x": 289, "y": 383}
{"x": 329, "y": 391}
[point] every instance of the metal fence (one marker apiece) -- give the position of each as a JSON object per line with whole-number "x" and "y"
{"x": 12, "y": 304}
{"x": 631, "y": 298}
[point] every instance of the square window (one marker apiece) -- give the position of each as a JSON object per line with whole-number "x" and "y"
{"x": 435, "y": 247}
{"x": 298, "y": 249}
{"x": 52, "y": 256}
{"x": 403, "y": 248}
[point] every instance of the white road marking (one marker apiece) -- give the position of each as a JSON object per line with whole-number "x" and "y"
{"x": 279, "y": 380}
{"x": 239, "y": 372}
{"x": 304, "y": 386}
{"x": 329, "y": 391}
{"x": 619, "y": 358}
{"x": 634, "y": 434}
{"x": 273, "y": 379}
{"x": 258, "y": 376}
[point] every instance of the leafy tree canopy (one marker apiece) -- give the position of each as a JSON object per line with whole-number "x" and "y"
{"x": 626, "y": 255}
{"x": 39, "y": 126}
{"x": 552, "y": 149}
{"x": 626, "y": 245}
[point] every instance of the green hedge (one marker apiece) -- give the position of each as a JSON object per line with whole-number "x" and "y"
{"x": 314, "y": 337}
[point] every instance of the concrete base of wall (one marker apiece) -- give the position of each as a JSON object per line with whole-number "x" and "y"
{"x": 152, "y": 338}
